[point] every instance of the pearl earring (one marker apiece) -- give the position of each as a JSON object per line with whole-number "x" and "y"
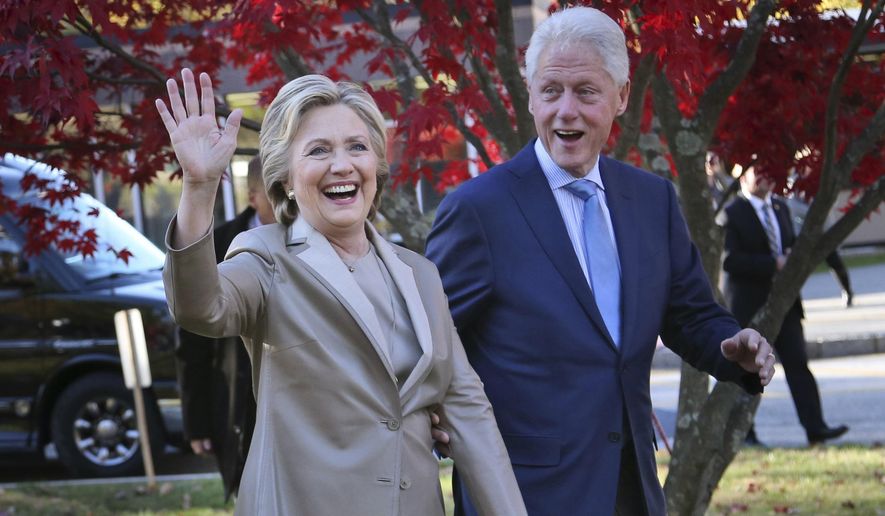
{"x": 291, "y": 194}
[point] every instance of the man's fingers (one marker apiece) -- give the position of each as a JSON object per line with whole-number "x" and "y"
{"x": 763, "y": 352}
{"x": 439, "y": 435}
{"x": 767, "y": 371}
{"x": 729, "y": 347}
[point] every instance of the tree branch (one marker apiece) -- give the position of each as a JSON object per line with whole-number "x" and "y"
{"x": 68, "y": 145}
{"x": 159, "y": 78}
{"x": 507, "y": 62}
{"x": 632, "y": 118}
{"x": 665, "y": 104}
{"x": 122, "y": 82}
{"x": 713, "y": 101}
{"x": 384, "y": 28}
{"x": 87, "y": 29}
{"x": 829, "y": 173}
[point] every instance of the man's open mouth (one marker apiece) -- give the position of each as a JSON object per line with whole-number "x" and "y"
{"x": 569, "y": 136}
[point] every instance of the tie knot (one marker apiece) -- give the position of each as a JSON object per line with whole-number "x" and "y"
{"x": 581, "y": 188}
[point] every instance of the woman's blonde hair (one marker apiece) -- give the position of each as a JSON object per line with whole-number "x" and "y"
{"x": 285, "y": 116}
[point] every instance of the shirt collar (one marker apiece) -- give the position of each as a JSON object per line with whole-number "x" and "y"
{"x": 254, "y": 221}
{"x": 557, "y": 176}
{"x": 756, "y": 201}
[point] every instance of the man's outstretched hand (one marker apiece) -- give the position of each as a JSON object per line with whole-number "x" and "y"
{"x": 752, "y": 352}
{"x": 440, "y": 437}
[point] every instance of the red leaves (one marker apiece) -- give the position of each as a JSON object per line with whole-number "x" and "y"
{"x": 57, "y": 80}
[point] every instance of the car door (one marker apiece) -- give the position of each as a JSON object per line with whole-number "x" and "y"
{"x": 22, "y": 346}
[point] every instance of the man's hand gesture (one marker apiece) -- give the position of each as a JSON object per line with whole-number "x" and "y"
{"x": 752, "y": 352}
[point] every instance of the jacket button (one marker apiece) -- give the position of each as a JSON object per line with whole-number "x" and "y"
{"x": 405, "y": 484}
{"x": 614, "y": 437}
{"x": 393, "y": 424}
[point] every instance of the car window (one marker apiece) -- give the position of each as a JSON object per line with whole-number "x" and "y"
{"x": 120, "y": 249}
{"x": 114, "y": 235}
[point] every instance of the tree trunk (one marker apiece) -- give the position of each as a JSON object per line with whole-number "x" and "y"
{"x": 399, "y": 206}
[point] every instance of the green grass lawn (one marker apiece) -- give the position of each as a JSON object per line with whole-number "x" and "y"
{"x": 819, "y": 481}
{"x": 832, "y": 480}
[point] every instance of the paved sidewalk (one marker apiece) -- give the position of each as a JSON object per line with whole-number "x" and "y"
{"x": 852, "y": 392}
{"x": 831, "y": 329}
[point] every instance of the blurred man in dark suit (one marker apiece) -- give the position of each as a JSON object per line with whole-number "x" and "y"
{"x": 758, "y": 237}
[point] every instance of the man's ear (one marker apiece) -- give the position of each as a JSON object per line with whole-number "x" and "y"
{"x": 251, "y": 196}
{"x": 624, "y": 97}
{"x": 531, "y": 110}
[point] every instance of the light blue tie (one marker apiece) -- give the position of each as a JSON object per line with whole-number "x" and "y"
{"x": 601, "y": 257}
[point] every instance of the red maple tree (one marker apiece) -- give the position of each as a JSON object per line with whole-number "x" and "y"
{"x": 774, "y": 84}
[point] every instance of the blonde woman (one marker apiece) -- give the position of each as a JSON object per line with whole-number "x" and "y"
{"x": 350, "y": 337}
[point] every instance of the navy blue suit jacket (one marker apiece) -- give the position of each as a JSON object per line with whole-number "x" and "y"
{"x": 560, "y": 388}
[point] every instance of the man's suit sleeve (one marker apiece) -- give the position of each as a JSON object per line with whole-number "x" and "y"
{"x": 457, "y": 244}
{"x": 194, "y": 358}
{"x": 694, "y": 323}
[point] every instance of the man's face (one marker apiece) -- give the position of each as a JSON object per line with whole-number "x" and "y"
{"x": 757, "y": 185}
{"x": 574, "y": 101}
{"x": 259, "y": 202}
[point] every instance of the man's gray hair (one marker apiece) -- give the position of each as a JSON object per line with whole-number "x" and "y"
{"x": 582, "y": 26}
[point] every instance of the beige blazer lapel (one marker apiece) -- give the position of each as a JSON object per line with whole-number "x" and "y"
{"x": 404, "y": 278}
{"x": 322, "y": 260}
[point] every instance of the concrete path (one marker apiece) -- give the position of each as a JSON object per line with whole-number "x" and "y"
{"x": 831, "y": 329}
{"x": 852, "y": 393}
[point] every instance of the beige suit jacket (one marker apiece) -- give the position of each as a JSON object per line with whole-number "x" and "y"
{"x": 335, "y": 433}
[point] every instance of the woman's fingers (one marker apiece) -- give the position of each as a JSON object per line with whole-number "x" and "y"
{"x": 175, "y": 101}
{"x": 190, "y": 92}
{"x": 232, "y": 125}
{"x": 166, "y": 116}
{"x": 207, "y": 97}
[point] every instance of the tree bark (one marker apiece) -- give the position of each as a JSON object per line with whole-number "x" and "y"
{"x": 710, "y": 429}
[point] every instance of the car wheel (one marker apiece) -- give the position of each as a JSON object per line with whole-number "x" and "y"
{"x": 95, "y": 431}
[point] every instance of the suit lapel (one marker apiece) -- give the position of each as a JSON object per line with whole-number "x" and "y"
{"x": 626, "y": 228}
{"x": 404, "y": 280}
{"x": 325, "y": 265}
{"x": 532, "y": 193}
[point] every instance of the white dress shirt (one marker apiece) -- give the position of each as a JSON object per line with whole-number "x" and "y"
{"x": 759, "y": 206}
{"x": 571, "y": 207}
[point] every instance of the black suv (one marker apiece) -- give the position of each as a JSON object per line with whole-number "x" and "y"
{"x": 60, "y": 375}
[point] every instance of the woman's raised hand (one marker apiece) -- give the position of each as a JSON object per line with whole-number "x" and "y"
{"x": 203, "y": 149}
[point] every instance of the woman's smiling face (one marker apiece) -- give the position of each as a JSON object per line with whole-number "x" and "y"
{"x": 333, "y": 170}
